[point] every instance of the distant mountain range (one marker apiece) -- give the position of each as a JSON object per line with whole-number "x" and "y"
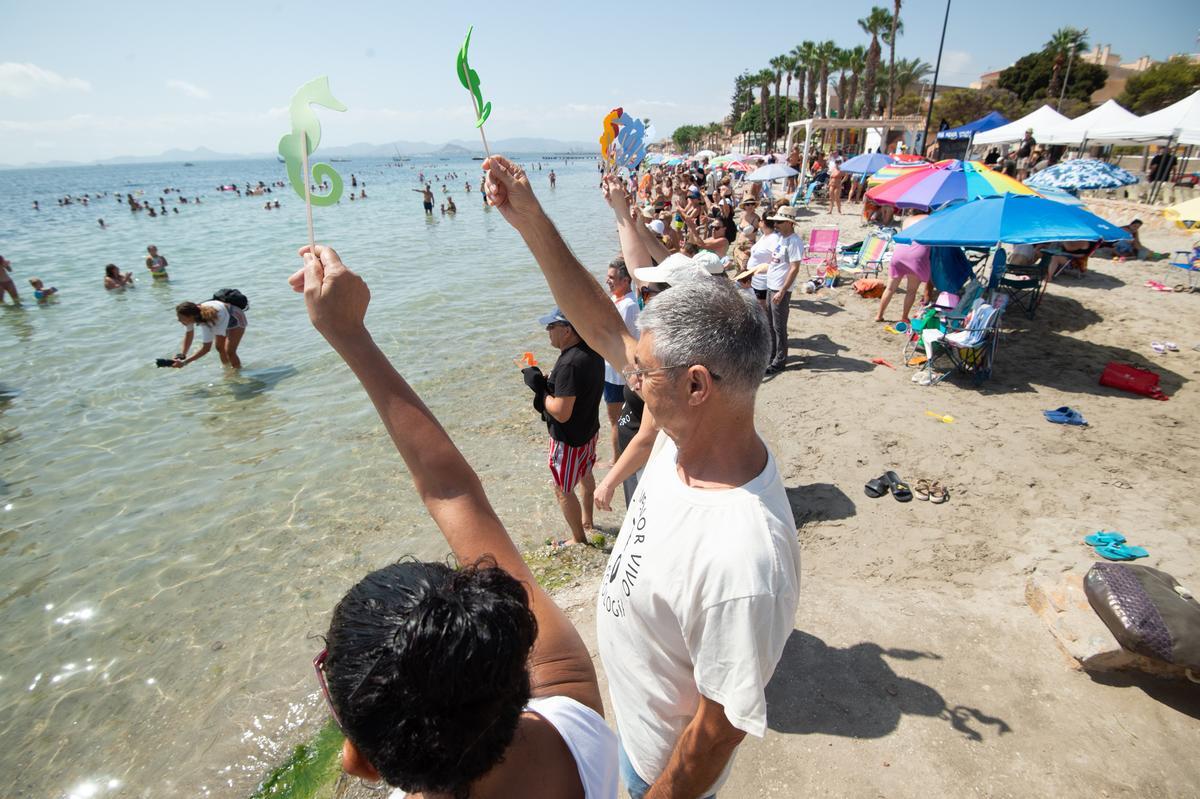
{"x": 457, "y": 147}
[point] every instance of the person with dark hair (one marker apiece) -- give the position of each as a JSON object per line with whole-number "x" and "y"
{"x": 115, "y": 279}
{"x": 700, "y": 593}
{"x": 448, "y": 681}
{"x": 222, "y": 321}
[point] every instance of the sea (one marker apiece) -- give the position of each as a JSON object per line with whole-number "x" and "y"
{"x": 172, "y": 541}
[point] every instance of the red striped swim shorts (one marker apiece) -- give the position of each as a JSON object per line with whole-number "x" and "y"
{"x": 569, "y": 464}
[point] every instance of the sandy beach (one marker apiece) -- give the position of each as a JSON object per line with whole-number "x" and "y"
{"x": 916, "y": 667}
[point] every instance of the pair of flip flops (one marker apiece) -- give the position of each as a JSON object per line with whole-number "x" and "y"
{"x": 1162, "y": 347}
{"x": 1111, "y": 546}
{"x": 930, "y": 491}
{"x": 1065, "y": 415}
{"x": 889, "y": 481}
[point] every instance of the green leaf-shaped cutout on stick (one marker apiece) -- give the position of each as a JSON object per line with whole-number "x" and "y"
{"x": 469, "y": 78}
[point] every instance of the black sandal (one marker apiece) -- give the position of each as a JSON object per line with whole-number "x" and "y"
{"x": 878, "y": 487}
{"x": 900, "y": 489}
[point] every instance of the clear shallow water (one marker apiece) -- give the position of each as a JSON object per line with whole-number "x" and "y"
{"x": 170, "y": 540}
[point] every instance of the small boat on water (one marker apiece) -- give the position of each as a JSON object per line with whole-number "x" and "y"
{"x": 188, "y": 163}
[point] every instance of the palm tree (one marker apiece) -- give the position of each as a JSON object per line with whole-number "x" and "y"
{"x": 897, "y": 27}
{"x": 825, "y": 53}
{"x": 780, "y": 64}
{"x": 1065, "y": 44}
{"x": 856, "y": 62}
{"x": 812, "y": 54}
{"x": 907, "y": 72}
{"x": 713, "y": 131}
{"x": 875, "y": 23}
{"x": 763, "y": 79}
{"x": 803, "y": 55}
{"x": 841, "y": 62}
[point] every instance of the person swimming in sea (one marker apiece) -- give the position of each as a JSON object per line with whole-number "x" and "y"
{"x": 156, "y": 263}
{"x": 40, "y": 292}
{"x": 115, "y": 279}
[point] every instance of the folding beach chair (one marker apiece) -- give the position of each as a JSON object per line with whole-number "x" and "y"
{"x": 1189, "y": 262}
{"x": 822, "y": 248}
{"x": 972, "y": 350}
{"x": 1024, "y": 285}
{"x": 868, "y": 261}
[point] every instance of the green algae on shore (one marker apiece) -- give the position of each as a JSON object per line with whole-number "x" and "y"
{"x": 310, "y": 772}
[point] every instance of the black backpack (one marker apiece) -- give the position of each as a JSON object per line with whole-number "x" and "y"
{"x": 232, "y": 297}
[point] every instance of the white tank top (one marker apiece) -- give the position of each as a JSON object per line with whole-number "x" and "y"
{"x": 592, "y": 744}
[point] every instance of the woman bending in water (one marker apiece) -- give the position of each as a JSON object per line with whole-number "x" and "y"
{"x": 218, "y": 320}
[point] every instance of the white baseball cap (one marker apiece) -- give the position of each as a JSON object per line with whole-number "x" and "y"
{"x": 709, "y": 261}
{"x": 657, "y": 226}
{"x": 677, "y": 268}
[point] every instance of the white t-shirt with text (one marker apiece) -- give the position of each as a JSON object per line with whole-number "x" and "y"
{"x": 699, "y": 597}
{"x": 788, "y": 250}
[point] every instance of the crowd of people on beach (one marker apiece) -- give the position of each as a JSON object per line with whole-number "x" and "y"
{"x": 468, "y": 680}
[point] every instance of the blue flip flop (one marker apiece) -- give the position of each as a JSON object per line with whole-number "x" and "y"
{"x": 1120, "y": 552}
{"x": 1063, "y": 409}
{"x": 1069, "y": 416}
{"x": 1102, "y": 538}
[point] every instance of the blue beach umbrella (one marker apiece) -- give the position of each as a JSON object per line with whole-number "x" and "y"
{"x": 867, "y": 163}
{"x": 771, "y": 172}
{"x": 1012, "y": 219}
{"x": 1082, "y": 173}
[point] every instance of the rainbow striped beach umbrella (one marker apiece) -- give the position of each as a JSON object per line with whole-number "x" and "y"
{"x": 892, "y": 172}
{"x": 934, "y": 185}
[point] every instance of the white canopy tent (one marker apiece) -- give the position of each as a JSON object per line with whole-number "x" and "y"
{"x": 1177, "y": 123}
{"x": 1042, "y": 121}
{"x": 1109, "y": 116}
{"x": 910, "y": 125}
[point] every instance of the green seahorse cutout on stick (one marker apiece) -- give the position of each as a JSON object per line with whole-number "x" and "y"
{"x": 304, "y": 139}
{"x": 469, "y": 78}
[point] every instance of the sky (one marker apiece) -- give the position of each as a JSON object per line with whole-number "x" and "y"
{"x": 84, "y": 81}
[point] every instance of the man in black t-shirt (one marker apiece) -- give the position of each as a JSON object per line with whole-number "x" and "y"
{"x": 569, "y": 401}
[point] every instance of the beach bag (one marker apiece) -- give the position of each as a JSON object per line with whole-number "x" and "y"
{"x": 868, "y": 288}
{"x": 1130, "y": 378}
{"x": 1147, "y": 611}
{"x": 232, "y": 297}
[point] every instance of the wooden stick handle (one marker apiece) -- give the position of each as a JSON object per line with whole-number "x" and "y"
{"x": 307, "y": 190}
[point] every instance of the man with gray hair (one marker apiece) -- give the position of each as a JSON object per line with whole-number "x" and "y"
{"x": 701, "y": 588}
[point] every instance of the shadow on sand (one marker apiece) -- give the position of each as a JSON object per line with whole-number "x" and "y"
{"x": 820, "y": 502}
{"x": 854, "y": 692}
{"x": 1175, "y": 694}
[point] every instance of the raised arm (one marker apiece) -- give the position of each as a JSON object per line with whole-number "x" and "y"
{"x": 653, "y": 243}
{"x": 337, "y": 303}
{"x": 575, "y": 291}
{"x": 632, "y": 248}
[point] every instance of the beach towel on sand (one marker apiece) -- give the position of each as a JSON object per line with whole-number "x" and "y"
{"x": 868, "y": 288}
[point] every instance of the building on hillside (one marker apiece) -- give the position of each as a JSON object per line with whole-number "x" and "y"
{"x": 1118, "y": 73}
{"x": 1101, "y": 55}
